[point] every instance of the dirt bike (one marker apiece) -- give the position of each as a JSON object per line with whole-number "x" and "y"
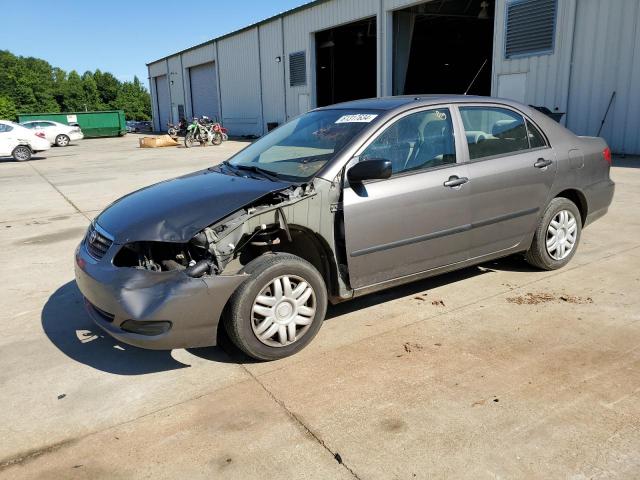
{"x": 197, "y": 131}
{"x": 179, "y": 130}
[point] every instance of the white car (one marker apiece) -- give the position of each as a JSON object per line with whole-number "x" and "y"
{"x": 57, "y": 133}
{"x": 20, "y": 142}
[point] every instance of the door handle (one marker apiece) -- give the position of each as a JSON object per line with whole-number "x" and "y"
{"x": 455, "y": 181}
{"x": 542, "y": 163}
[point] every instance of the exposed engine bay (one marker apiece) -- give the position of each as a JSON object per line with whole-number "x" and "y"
{"x": 212, "y": 249}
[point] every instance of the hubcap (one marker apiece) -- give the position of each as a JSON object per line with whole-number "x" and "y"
{"x": 283, "y": 311}
{"x": 63, "y": 141}
{"x": 22, "y": 153}
{"x": 561, "y": 235}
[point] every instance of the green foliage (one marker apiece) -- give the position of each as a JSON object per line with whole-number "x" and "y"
{"x": 7, "y": 109}
{"x": 29, "y": 85}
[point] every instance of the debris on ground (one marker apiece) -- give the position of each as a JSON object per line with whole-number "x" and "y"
{"x": 410, "y": 347}
{"x": 338, "y": 458}
{"x": 544, "y": 297}
{"x": 438, "y": 303}
{"x": 154, "y": 142}
{"x": 61, "y": 396}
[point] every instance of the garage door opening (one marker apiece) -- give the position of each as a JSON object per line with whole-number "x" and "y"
{"x": 440, "y": 47}
{"x": 346, "y": 62}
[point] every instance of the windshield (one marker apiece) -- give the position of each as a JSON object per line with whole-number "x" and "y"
{"x": 299, "y": 149}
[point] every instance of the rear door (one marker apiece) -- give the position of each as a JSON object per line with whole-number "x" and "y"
{"x": 7, "y": 143}
{"x": 411, "y": 222}
{"x": 511, "y": 171}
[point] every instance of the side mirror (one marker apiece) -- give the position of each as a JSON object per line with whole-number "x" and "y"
{"x": 374, "y": 169}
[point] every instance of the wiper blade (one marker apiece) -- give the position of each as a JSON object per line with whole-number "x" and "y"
{"x": 252, "y": 168}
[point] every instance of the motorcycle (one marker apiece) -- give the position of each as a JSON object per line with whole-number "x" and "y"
{"x": 179, "y": 130}
{"x": 197, "y": 131}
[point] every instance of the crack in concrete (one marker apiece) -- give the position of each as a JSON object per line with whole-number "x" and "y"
{"x": 33, "y": 454}
{"x": 59, "y": 191}
{"x": 305, "y": 428}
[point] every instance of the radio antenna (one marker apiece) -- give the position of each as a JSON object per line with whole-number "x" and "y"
{"x": 474, "y": 78}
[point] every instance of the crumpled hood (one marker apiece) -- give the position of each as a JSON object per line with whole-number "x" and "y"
{"x": 175, "y": 210}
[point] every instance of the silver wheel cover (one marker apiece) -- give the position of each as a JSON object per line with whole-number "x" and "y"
{"x": 561, "y": 235}
{"x": 283, "y": 311}
{"x": 22, "y": 153}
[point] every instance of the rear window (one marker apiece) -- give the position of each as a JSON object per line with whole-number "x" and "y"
{"x": 493, "y": 131}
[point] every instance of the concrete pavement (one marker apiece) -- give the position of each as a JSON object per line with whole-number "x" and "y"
{"x": 492, "y": 371}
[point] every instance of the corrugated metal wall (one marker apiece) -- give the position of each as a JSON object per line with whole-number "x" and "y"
{"x": 606, "y": 59}
{"x": 597, "y": 52}
{"x": 239, "y": 77}
{"x": 546, "y": 77}
{"x": 599, "y": 55}
{"x": 272, "y": 73}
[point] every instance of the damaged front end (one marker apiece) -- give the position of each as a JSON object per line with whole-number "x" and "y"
{"x": 216, "y": 246}
{"x": 171, "y": 294}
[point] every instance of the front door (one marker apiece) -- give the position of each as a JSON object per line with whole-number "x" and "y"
{"x": 511, "y": 171}
{"x": 418, "y": 219}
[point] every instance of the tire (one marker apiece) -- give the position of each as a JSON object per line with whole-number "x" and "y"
{"x": 21, "y": 153}
{"x": 62, "y": 140}
{"x": 551, "y": 251}
{"x": 172, "y": 132}
{"x": 217, "y": 138}
{"x": 247, "y": 314}
{"x": 188, "y": 140}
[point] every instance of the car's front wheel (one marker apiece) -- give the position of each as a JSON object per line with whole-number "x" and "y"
{"x": 21, "y": 153}
{"x": 62, "y": 140}
{"x": 278, "y": 310}
{"x": 557, "y": 236}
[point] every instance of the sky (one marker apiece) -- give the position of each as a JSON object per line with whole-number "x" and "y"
{"x": 122, "y": 36}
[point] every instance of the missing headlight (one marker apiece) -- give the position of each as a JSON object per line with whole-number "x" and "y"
{"x": 163, "y": 256}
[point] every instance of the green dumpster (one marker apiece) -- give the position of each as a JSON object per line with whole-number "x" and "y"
{"x": 107, "y": 123}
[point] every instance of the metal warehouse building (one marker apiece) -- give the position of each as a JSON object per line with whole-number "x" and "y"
{"x": 578, "y": 57}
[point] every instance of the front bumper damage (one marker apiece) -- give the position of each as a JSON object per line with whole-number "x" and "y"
{"x": 179, "y": 311}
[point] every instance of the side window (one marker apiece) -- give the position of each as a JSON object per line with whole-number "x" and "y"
{"x": 493, "y": 131}
{"x": 29, "y": 125}
{"x": 536, "y": 140}
{"x": 5, "y": 128}
{"x": 416, "y": 142}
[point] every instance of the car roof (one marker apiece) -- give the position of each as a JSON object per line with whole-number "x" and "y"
{"x": 391, "y": 103}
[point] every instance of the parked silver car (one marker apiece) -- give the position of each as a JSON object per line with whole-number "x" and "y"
{"x": 340, "y": 202}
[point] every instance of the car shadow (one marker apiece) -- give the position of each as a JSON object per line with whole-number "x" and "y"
{"x": 626, "y": 161}
{"x": 401, "y": 291}
{"x": 34, "y": 158}
{"x": 70, "y": 329}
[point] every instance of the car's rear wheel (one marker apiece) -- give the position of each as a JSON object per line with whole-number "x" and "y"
{"x": 278, "y": 310}
{"x": 21, "y": 153}
{"x": 557, "y": 236}
{"x": 62, "y": 140}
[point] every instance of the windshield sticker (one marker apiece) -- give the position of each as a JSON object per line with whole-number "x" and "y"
{"x": 357, "y": 118}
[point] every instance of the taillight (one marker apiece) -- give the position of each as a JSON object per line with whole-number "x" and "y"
{"x": 606, "y": 154}
{"x": 40, "y": 134}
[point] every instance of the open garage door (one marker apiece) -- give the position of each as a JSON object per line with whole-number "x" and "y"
{"x": 440, "y": 47}
{"x": 346, "y": 62}
{"x": 204, "y": 91}
{"x": 164, "y": 102}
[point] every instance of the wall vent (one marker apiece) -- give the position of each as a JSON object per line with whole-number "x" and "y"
{"x": 530, "y": 27}
{"x": 297, "y": 69}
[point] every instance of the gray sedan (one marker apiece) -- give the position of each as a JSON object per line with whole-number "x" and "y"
{"x": 340, "y": 202}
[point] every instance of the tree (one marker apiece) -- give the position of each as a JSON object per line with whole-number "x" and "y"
{"x": 108, "y": 87}
{"x": 30, "y": 85}
{"x": 7, "y": 109}
{"x": 134, "y": 99}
